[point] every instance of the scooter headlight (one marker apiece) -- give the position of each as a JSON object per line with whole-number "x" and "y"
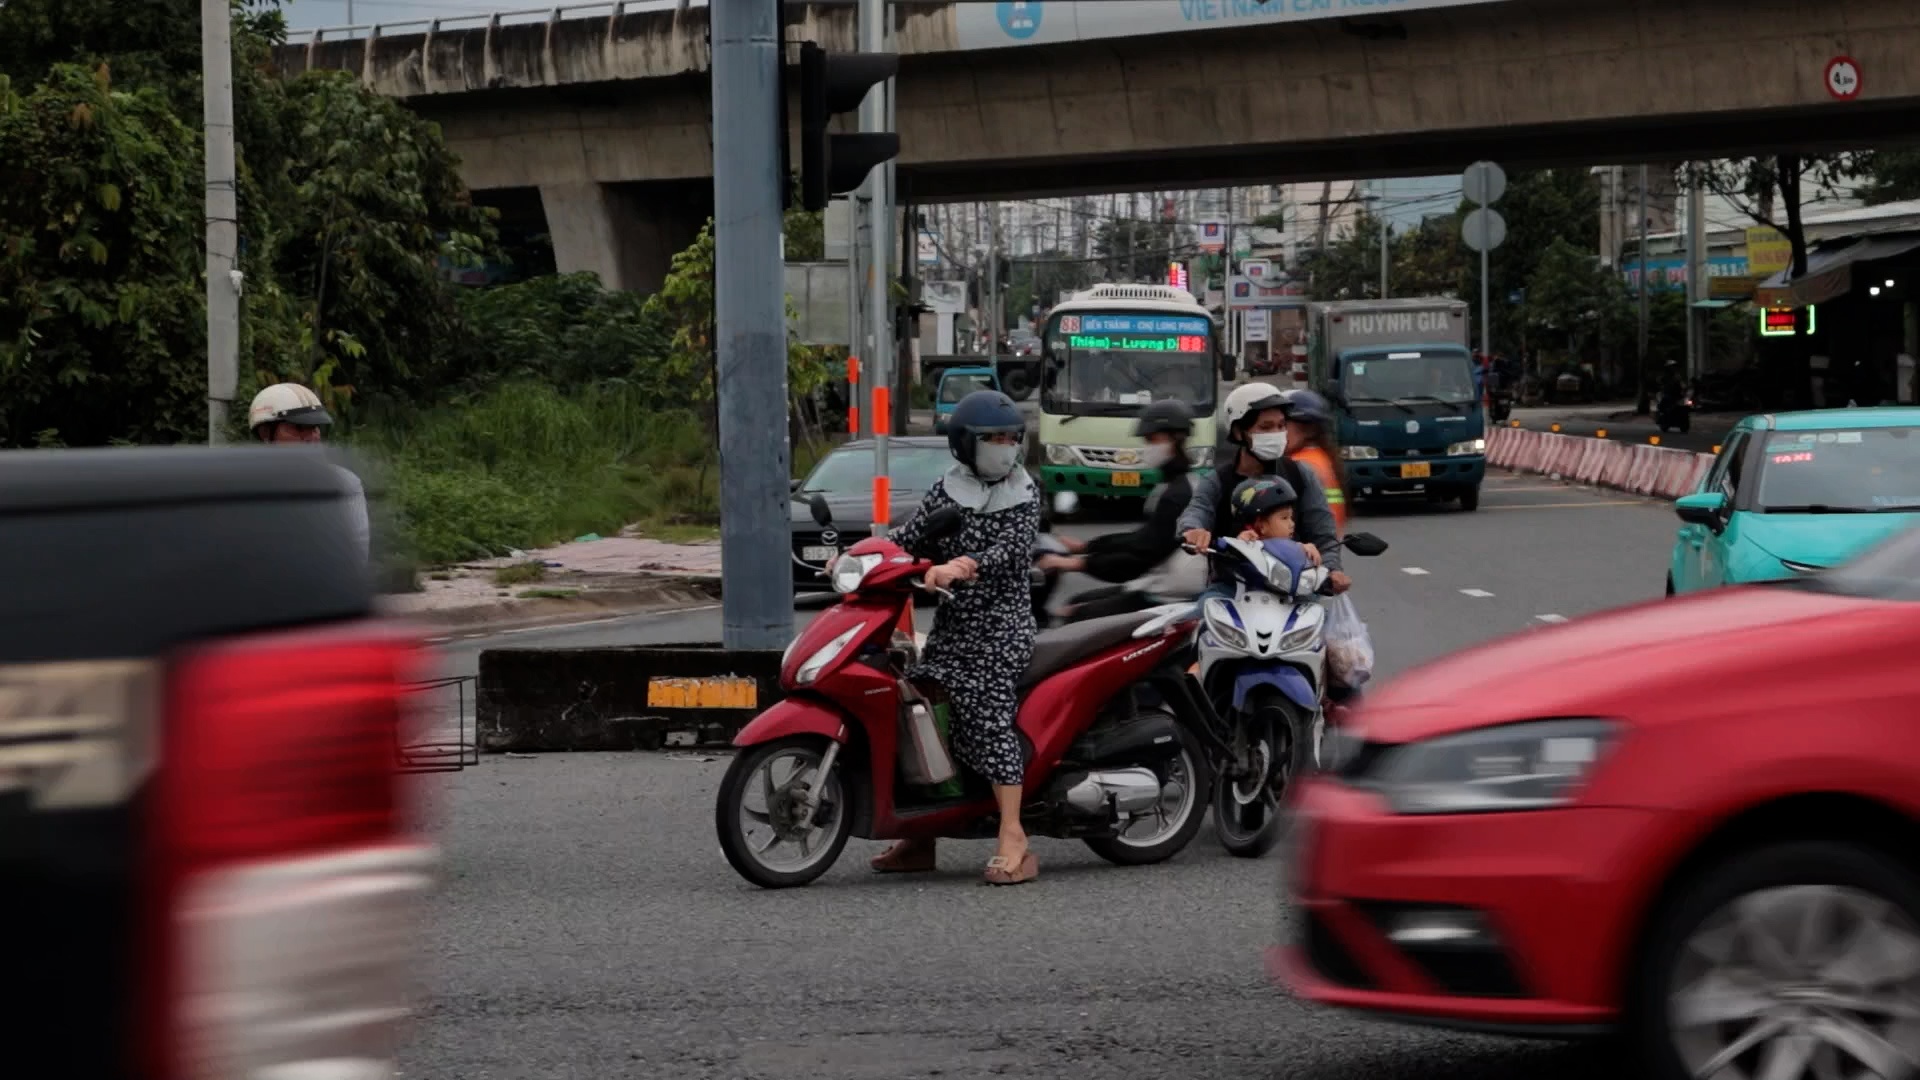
{"x": 851, "y": 570}
{"x": 824, "y": 655}
{"x": 1220, "y": 621}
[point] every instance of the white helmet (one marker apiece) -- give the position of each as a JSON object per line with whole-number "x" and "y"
{"x": 288, "y": 403}
{"x": 1252, "y": 398}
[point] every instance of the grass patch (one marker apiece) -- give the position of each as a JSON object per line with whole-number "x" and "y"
{"x": 520, "y": 573}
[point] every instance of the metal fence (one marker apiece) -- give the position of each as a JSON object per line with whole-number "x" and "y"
{"x": 447, "y": 738}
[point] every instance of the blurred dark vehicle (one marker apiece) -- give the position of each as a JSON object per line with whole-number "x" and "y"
{"x": 208, "y": 865}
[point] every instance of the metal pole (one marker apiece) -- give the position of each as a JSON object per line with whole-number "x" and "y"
{"x": 1486, "y": 322}
{"x": 1686, "y": 241}
{"x": 873, "y": 117}
{"x": 1697, "y": 284}
{"x": 751, "y": 327}
{"x": 994, "y": 325}
{"x": 1383, "y": 240}
{"x": 223, "y": 217}
{"x": 1641, "y": 260}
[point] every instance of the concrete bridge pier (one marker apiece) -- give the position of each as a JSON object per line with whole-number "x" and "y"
{"x": 626, "y": 233}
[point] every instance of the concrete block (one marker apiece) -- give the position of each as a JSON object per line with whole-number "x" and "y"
{"x": 533, "y": 700}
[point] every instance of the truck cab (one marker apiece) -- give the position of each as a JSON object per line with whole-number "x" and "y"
{"x": 1400, "y": 377}
{"x": 955, "y": 384}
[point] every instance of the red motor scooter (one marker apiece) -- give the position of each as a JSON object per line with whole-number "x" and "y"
{"x": 1109, "y": 718}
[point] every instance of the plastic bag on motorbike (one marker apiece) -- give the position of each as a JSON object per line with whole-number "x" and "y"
{"x": 1349, "y": 648}
{"x": 924, "y": 760}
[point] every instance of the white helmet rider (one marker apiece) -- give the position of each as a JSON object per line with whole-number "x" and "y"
{"x": 1242, "y": 405}
{"x": 299, "y": 408}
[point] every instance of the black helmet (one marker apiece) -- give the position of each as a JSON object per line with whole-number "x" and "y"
{"x": 983, "y": 412}
{"x": 1308, "y": 407}
{"x": 1255, "y": 498}
{"x": 1169, "y": 417}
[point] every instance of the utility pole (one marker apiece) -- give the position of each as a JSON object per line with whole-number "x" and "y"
{"x": 873, "y": 119}
{"x": 223, "y": 217}
{"x": 1642, "y": 262}
{"x": 994, "y": 284}
{"x": 1383, "y": 239}
{"x": 750, "y": 323}
{"x": 1697, "y": 283}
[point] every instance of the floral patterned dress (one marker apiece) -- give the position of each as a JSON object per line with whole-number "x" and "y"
{"x": 982, "y": 639}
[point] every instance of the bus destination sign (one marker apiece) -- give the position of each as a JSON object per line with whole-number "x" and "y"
{"x": 1138, "y": 333}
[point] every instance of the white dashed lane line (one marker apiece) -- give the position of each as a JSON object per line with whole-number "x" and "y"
{"x": 1477, "y": 593}
{"x": 1550, "y": 618}
{"x": 1414, "y": 570}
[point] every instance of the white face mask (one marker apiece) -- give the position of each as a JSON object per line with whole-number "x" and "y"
{"x": 1157, "y": 455}
{"x": 1269, "y": 445}
{"x": 995, "y": 461}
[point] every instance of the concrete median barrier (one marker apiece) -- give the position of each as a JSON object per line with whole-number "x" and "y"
{"x": 630, "y": 698}
{"x": 1635, "y": 467}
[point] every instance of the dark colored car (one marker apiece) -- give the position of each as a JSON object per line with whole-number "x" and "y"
{"x": 201, "y": 797}
{"x": 844, "y": 478}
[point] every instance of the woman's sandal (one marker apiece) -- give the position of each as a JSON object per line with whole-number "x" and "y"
{"x": 904, "y": 858}
{"x": 1002, "y": 871}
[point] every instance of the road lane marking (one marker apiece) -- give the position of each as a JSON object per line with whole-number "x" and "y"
{"x": 1571, "y": 505}
{"x": 1551, "y": 618}
{"x": 1414, "y": 570}
{"x": 1475, "y": 592}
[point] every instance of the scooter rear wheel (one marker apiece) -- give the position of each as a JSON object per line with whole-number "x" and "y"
{"x": 1140, "y": 846}
{"x": 765, "y": 842}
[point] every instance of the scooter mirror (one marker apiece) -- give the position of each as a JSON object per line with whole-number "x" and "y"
{"x": 1364, "y": 544}
{"x": 1065, "y": 502}
{"x": 944, "y": 522}
{"x": 822, "y": 514}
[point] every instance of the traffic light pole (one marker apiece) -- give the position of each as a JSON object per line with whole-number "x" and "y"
{"x": 751, "y": 326}
{"x": 873, "y": 118}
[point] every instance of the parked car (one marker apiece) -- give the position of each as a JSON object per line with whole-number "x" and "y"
{"x": 957, "y": 383}
{"x": 844, "y": 480}
{"x": 1692, "y": 821}
{"x": 203, "y": 799}
{"x": 1791, "y": 493}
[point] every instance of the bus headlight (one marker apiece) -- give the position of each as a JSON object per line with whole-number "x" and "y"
{"x": 1060, "y": 454}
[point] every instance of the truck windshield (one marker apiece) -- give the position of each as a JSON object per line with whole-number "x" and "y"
{"x": 1118, "y": 364}
{"x": 1409, "y": 375}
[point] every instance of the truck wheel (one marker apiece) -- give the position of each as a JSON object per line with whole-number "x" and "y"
{"x": 1470, "y": 498}
{"x": 1017, "y": 383}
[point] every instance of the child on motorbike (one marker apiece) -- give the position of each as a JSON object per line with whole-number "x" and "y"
{"x": 1263, "y": 507}
{"x": 982, "y": 637}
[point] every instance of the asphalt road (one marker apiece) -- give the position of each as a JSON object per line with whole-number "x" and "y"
{"x": 590, "y": 928}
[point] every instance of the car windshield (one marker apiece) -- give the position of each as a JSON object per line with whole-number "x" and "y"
{"x": 1889, "y": 570}
{"x": 1118, "y": 364}
{"x": 850, "y": 472}
{"x": 1410, "y": 375}
{"x": 1840, "y": 471}
{"x": 955, "y": 387}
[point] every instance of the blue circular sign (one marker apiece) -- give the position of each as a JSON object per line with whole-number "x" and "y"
{"x": 1020, "y": 18}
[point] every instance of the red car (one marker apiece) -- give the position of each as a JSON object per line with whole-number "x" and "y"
{"x": 1695, "y": 822}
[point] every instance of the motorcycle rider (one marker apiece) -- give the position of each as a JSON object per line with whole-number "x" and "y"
{"x": 1310, "y": 442}
{"x": 1257, "y": 426}
{"x": 982, "y": 637}
{"x": 290, "y": 414}
{"x": 1149, "y": 557}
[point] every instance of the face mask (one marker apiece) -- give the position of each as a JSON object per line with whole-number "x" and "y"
{"x": 995, "y": 461}
{"x": 1157, "y": 455}
{"x": 1270, "y": 445}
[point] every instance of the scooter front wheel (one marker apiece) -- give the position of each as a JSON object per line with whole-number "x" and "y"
{"x": 780, "y": 823}
{"x": 1248, "y": 796}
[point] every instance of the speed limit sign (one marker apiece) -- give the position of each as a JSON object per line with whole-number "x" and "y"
{"x": 1843, "y": 78}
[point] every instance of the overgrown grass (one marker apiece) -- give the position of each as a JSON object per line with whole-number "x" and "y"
{"x": 525, "y": 465}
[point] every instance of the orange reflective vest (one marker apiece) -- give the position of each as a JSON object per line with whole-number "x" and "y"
{"x": 1316, "y": 459}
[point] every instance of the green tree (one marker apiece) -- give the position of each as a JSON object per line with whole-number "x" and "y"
{"x": 1348, "y": 268}
{"x": 1890, "y": 176}
{"x": 1044, "y": 280}
{"x": 1130, "y": 246}
{"x": 1575, "y": 304}
{"x": 1753, "y": 185}
{"x": 1540, "y": 206}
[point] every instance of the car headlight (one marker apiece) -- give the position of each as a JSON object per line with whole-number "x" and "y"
{"x": 1220, "y": 621}
{"x": 1525, "y": 766}
{"x": 1360, "y": 453}
{"x": 851, "y": 570}
{"x": 1294, "y": 640}
{"x": 1060, "y": 454}
{"x": 1469, "y": 446}
{"x": 1200, "y": 456}
{"x": 824, "y": 655}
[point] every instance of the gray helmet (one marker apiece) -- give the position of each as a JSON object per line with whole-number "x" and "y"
{"x": 1169, "y": 417}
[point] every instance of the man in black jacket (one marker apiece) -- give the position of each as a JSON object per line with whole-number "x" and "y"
{"x": 1141, "y": 556}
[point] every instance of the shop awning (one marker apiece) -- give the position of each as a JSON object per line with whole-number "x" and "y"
{"x": 1830, "y": 271}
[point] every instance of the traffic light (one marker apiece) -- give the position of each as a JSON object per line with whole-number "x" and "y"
{"x": 830, "y": 84}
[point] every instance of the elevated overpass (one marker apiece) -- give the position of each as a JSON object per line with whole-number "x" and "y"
{"x": 605, "y": 113}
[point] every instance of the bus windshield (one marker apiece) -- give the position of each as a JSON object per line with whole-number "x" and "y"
{"x": 1116, "y": 364}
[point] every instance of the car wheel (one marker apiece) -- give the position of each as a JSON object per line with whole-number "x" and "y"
{"x": 1470, "y": 498}
{"x": 1797, "y": 959}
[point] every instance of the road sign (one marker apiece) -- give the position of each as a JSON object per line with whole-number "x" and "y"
{"x": 1484, "y": 229}
{"x": 1257, "y": 269}
{"x": 929, "y": 248}
{"x": 1258, "y": 324}
{"x": 1483, "y": 183}
{"x": 1843, "y": 78}
{"x": 1213, "y": 235}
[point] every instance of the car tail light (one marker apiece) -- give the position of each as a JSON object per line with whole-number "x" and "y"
{"x": 285, "y": 883}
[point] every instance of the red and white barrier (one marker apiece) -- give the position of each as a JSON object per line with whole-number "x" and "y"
{"x": 1644, "y": 470}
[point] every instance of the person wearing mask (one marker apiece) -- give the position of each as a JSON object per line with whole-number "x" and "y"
{"x": 1257, "y": 425}
{"x": 1149, "y": 557}
{"x": 982, "y": 637}
{"x": 1310, "y": 442}
{"x": 288, "y": 414}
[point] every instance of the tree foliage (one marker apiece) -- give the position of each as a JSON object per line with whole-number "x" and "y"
{"x": 1130, "y": 246}
{"x": 1753, "y": 185}
{"x": 1891, "y": 176}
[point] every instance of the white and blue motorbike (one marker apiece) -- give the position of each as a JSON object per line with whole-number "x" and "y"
{"x": 1263, "y": 667}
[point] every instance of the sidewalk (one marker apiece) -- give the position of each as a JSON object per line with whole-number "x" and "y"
{"x": 589, "y": 579}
